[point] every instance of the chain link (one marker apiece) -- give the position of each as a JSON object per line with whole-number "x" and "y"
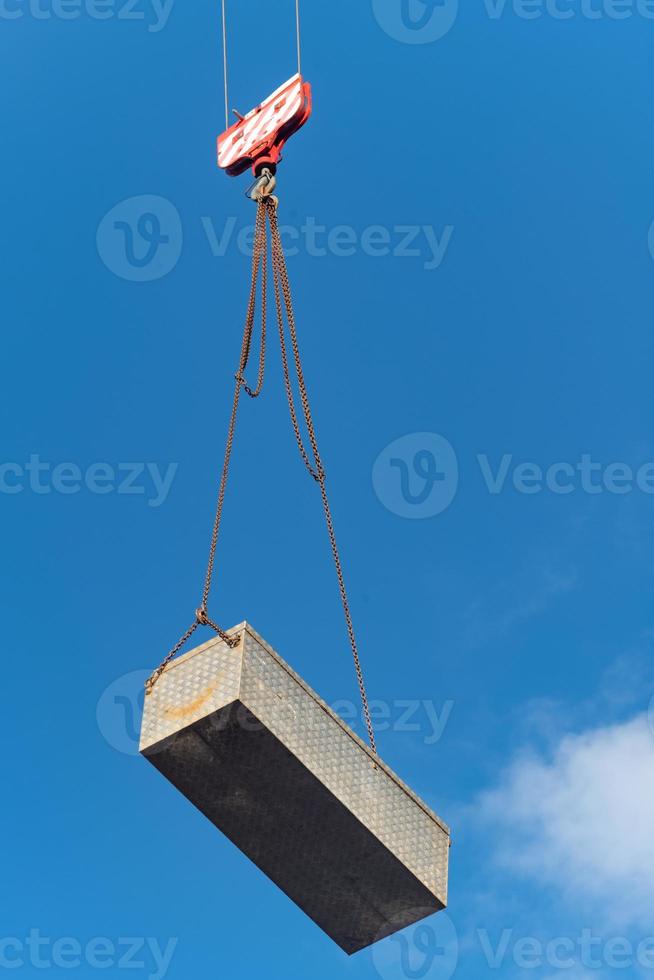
{"x": 259, "y": 261}
{"x": 267, "y": 217}
{"x": 317, "y": 471}
{"x": 154, "y": 677}
{"x": 260, "y": 251}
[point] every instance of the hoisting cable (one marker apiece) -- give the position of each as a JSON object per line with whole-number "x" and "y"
{"x": 225, "y": 70}
{"x": 267, "y": 218}
{"x": 224, "y": 19}
{"x": 297, "y": 29}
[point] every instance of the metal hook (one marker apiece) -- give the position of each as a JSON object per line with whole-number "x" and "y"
{"x": 263, "y": 187}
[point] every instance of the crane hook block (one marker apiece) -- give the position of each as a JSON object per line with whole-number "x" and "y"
{"x": 256, "y": 140}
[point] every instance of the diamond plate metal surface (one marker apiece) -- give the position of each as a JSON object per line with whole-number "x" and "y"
{"x": 271, "y": 765}
{"x": 193, "y": 686}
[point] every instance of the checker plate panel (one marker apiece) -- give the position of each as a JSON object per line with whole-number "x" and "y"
{"x": 269, "y": 763}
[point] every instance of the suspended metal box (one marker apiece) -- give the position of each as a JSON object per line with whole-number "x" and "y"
{"x": 273, "y": 767}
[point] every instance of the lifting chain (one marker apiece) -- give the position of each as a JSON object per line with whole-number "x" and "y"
{"x": 267, "y": 218}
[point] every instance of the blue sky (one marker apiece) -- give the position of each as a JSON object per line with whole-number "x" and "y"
{"x": 468, "y": 215}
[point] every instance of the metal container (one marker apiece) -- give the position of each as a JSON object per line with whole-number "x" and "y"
{"x": 273, "y": 767}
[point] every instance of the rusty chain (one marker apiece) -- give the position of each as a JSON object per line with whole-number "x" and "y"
{"x": 317, "y": 471}
{"x": 259, "y": 260}
{"x": 267, "y": 217}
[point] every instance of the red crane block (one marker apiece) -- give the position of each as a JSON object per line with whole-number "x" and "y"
{"x": 256, "y": 140}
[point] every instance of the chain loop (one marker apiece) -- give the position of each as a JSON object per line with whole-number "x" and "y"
{"x": 201, "y": 615}
{"x": 152, "y": 680}
{"x": 259, "y": 254}
{"x": 316, "y": 470}
{"x": 267, "y": 218}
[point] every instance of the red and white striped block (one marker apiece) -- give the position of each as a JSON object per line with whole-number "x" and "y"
{"x": 263, "y": 132}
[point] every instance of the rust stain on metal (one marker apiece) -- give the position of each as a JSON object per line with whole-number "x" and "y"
{"x": 193, "y": 706}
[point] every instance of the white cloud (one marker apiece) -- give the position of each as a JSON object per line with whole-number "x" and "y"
{"x": 582, "y": 818}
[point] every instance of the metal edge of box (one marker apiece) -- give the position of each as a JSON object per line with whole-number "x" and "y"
{"x": 177, "y": 662}
{"x": 374, "y": 798}
{"x": 375, "y": 759}
{"x": 246, "y": 627}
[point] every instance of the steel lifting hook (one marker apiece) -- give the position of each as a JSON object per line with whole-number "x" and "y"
{"x": 263, "y": 187}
